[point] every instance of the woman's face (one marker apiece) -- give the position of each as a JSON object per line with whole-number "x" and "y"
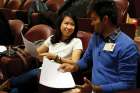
{"x": 67, "y": 26}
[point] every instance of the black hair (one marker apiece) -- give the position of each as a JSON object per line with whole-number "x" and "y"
{"x": 58, "y": 34}
{"x": 103, "y": 8}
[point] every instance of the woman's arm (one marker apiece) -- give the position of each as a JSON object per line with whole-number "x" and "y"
{"x": 76, "y": 54}
{"x": 42, "y": 50}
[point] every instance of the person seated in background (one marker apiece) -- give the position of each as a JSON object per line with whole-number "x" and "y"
{"x": 112, "y": 53}
{"x": 6, "y": 34}
{"x": 123, "y": 7}
{"x": 62, "y": 47}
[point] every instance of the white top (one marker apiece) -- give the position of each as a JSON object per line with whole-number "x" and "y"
{"x": 62, "y": 49}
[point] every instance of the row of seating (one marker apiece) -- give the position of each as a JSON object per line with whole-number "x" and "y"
{"x": 25, "y": 4}
{"x": 40, "y": 31}
{"x": 15, "y": 4}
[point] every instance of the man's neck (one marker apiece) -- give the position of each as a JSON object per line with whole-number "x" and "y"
{"x": 108, "y": 31}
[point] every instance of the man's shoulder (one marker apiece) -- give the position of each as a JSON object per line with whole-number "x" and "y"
{"x": 124, "y": 38}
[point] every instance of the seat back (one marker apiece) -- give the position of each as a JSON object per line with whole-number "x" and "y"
{"x": 13, "y": 4}
{"x": 38, "y": 32}
{"x": 26, "y": 5}
{"x": 85, "y": 37}
{"x": 16, "y": 26}
{"x": 54, "y": 5}
{"x": 2, "y": 3}
{"x": 84, "y": 24}
{"x": 129, "y": 29}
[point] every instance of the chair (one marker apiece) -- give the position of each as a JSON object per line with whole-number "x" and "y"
{"x": 129, "y": 29}
{"x": 13, "y": 4}
{"x": 2, "y": 3}
{"x": 54, "y": 5}
{"x": 26, "y": 5}
{"x": 22, "y": 3}
{"x": 85, "y": 37}
{"x": 16, "y": 26}
{"x": 38, "y": 32}
{"x": 137, "y": 41}
{"x": 84, "y": 24}
{"x": 134, "y": 8}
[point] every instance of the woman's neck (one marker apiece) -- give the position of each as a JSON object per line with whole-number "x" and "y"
{"x": 64, "y": 38}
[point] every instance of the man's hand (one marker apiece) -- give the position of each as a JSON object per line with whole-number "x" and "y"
{"x": 67, "y": 67}
{"x": 87, "y": 87}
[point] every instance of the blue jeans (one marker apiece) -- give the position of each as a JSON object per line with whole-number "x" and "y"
{"x": 20, "y": 84}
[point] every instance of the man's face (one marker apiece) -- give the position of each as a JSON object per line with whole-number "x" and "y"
{"x": 96, "y": 22}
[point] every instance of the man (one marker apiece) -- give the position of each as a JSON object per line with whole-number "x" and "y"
{"x": 113, "y": 54}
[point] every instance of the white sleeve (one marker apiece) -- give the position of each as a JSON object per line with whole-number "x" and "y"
{"x": 47, "y": 41}
{"x": 77, "y": 44}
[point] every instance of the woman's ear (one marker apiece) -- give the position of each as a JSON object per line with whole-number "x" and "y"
{"x": 105, "y": 19}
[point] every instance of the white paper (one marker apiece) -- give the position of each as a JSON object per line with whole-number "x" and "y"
{"x": 30, "y": 47}
{"x": 51, "y": 77}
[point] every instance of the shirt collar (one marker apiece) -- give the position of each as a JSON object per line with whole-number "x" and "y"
{"x": 113, "y": 36}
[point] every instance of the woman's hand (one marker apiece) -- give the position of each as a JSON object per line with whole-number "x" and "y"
{"x": 50, "y": 56}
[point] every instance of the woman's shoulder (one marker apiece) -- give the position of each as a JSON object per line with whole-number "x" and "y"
{"x": 76, "y": 39}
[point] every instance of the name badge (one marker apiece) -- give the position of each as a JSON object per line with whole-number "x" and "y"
{"x": 109, "y": 47}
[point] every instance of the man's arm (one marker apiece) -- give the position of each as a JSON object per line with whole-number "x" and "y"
{"x": 127, "y": 69}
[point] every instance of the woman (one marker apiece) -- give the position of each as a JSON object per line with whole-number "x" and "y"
{"x": 63, "y": 47}
{"x": 63, "y": 44}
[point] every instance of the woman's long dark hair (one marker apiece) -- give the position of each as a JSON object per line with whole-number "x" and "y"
{"x": 58, "y": 34}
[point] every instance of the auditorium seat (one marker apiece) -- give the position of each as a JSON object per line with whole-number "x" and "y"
{"x": 54, "y": 5}
{"x": 26, "y": 5}
{"x": 16, "y": 26}
{"x": 13, "y": 4}
{"x": 129, "y": 29}
{"x": 84, "y": 24}
{"x": 85, "y": 37}
{"x": 2, "y": 3}
{"x": 137, "y": 40}
{"x": 38, "y": 32}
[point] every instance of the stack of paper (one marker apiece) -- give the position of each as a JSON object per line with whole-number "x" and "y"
{"x": 51, "y": 77}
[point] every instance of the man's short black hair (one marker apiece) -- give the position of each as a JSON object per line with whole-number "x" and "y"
{"x": 104, "y": 8}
